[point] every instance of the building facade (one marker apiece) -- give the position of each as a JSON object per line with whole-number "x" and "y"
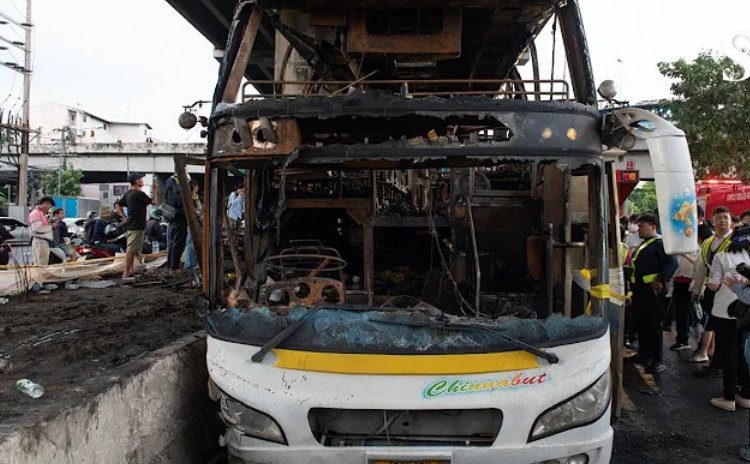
{"x": 79, "y": 126}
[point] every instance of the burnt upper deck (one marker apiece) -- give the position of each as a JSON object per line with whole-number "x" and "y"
{"x": 492, "y": 34}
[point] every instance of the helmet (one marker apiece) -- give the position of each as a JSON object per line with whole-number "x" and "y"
{"x": 91, "y": 215}
{"x": 110, "y": 229}
{"x": 156, "y": 214}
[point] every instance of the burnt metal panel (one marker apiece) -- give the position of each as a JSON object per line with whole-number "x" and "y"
{"x": 447, "y": 42}
{"x": 549, "y": 129}
{"x": 231, "y": 141}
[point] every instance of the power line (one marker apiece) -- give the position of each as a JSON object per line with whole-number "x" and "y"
{"x": 12, "y": 87}
{"x": 15, "y": 7}
{"x": 13, "y": 21}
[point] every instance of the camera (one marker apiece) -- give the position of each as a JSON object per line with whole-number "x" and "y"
{"x": 744, "y": 270}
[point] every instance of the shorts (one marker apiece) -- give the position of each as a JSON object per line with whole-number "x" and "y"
{"x": 135, "y": 241}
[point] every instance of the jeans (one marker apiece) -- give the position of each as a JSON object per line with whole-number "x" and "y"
{"x": 176, "y": 237}
{"x": 191, "y": 258}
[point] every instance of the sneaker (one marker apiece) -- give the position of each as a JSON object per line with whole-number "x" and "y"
{"x": 698, "y": 358}
{"x": 742, "y": 402}
{"x": 656, "y": 367}
{"x": 706, "y": 372}
{"x": 721, "y": 403}
{"x": 679, "y": 347}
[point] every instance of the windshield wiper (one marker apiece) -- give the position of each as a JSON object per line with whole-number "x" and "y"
{"x": 279, "y": 338}
{"x": 445, "y": 325}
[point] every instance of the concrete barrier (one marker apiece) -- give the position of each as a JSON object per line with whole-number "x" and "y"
{"x": 154, "y": 409}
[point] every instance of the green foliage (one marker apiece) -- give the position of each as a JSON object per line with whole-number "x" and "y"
{"x": 713, "y": 113}
{"x": 643, "y": 198}
{"x": 69, "y": 182}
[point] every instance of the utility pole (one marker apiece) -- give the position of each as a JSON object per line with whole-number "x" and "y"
{"x": 23, "y": 164}
{"x": 63, "y": 132}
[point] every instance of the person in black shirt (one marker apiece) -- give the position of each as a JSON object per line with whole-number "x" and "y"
{"x": 177, "y": 230}
{"x": 136, "y": 202}
{"x": 61, "y": 233}
{"x": 652, "y": 269}
{"x": 154, "y": 232}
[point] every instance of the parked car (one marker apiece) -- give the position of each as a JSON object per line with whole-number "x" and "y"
{"x": 21, "y": 232}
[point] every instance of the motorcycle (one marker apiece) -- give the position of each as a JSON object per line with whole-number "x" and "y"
{"x": 115, "y": 243}
{"x": 103, "y": 249}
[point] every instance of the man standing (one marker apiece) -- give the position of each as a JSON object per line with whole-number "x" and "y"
{"x": 652, "y": 269}
{"x": 174, "y": 213}
{"x": 136, "y": 201}
{"x": 236, "y": 207}
{"x": 41, "y": 231}
{"x": 717, "y": 243}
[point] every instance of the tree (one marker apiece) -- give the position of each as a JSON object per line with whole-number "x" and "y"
{"x": 68, "y": 181}
{"x": 713, "y": 113}
{"x": 643, "y": 198}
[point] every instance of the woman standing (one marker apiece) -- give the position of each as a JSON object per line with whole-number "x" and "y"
{"x": 727, "y": 335}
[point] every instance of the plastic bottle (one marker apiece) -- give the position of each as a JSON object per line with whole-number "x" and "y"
{"x": 155, "y": 246}
{"x": 30, "y": 388}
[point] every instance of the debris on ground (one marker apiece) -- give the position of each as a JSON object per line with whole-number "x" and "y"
{"x": 18, "y": 279}
{"x": 66, "y": 339}
{"x": 29, "y": 388}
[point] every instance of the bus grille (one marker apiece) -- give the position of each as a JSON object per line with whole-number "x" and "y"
{"x": 380, "y": 427}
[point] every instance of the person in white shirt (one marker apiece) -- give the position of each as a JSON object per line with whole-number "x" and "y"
{"x": 718, "y": 242}
{"x": 725, "y": 326}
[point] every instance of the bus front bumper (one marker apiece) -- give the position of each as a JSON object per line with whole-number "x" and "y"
{"x": 568, "y": 448}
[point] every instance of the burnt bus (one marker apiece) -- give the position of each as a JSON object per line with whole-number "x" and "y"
{"x": 427, "y": 266}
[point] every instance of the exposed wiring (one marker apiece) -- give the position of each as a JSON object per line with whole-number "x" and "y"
{"x": 463, "y": 304}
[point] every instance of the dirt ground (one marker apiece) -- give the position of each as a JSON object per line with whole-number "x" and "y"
{"x": 67, "y": 337}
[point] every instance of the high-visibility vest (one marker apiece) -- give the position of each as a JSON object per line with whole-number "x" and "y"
{"x": 649, "y": 278}
{"x": 707, "y": 255}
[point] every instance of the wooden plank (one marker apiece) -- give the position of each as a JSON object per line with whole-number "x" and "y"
{"x": 251, "y": 185}
{"x": 194, "y": 223}
{"x": 368, "y": 243}
{"x": 206, "y": 236}
{"x": 243, "y": 56}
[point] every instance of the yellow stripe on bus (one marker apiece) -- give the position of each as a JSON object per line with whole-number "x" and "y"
{"x": 395, "y": 364}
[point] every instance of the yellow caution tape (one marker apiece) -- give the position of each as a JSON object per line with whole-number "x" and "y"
{"x": 588, "y": 274}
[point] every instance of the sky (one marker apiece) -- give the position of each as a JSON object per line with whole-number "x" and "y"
{"x": 139, "y": 60}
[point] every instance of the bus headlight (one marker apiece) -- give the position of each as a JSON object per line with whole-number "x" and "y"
{"x": 583, "y": 409}
{"x": 250, "y": 421}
